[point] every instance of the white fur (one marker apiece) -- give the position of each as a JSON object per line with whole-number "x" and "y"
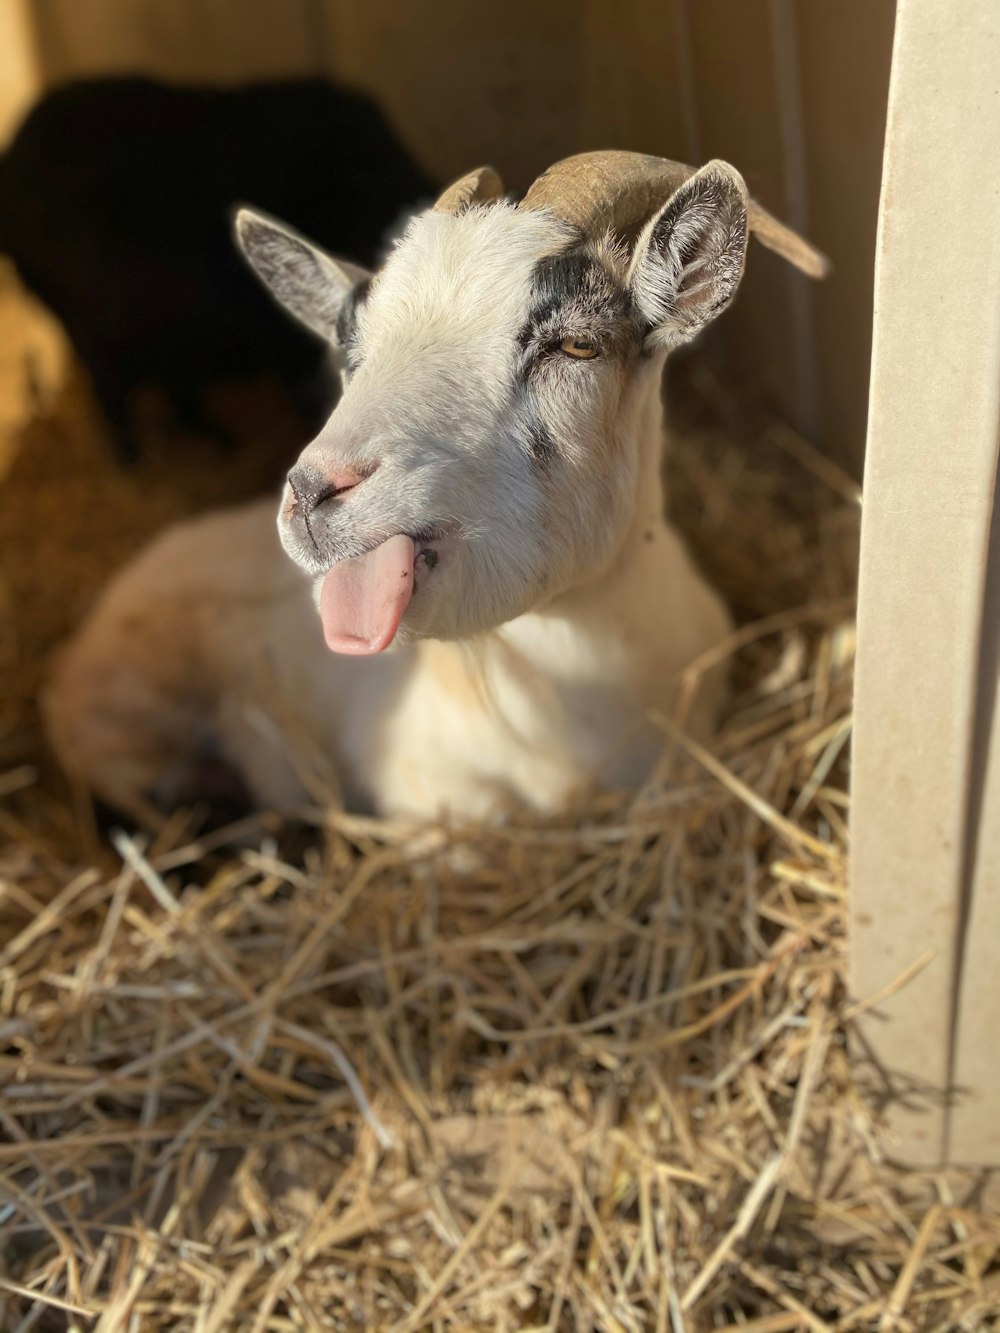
{"x": 562, "y": 609}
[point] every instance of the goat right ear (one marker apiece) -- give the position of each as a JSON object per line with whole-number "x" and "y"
{"x": 310, "y": 284}
{"x": 689, "y": 258}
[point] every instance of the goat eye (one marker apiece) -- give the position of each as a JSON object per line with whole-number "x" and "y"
{"x": 582, "y": 348}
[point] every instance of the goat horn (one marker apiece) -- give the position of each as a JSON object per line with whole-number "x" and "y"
{"x": 785, "y": 241}
{"x": 478, "y": 187}
{"x": 620, "y": 191}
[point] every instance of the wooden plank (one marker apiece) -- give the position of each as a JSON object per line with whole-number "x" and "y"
{"x": 20, "y": 75}
{"x": 466, "y": 83}
{"x": 631, "y": 74}
{"x": 929, "y": 482}
{"x": 28, "y": 334}
{"x": 845, "y": 51}
{"x": 739, "y": 118}
{"x": 795, "y": 94}
{"x": 197, "y": 40}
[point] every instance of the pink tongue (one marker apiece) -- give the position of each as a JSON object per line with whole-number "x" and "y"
{"x": 362, "y": 600}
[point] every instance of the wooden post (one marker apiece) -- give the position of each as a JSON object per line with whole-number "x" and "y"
{"x": 934, "y": 426}
{"x": 20, "y": 75}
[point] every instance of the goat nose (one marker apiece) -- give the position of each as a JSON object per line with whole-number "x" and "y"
{"x": 313, "y": 486}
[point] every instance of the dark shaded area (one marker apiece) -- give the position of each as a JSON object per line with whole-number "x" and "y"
{"x": 116, "y": 197}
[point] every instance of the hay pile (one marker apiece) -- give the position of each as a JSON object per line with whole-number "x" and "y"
{"x": 585, "y": 1073}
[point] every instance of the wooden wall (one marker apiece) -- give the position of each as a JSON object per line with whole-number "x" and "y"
{"x": 209, "y": 40}
{"x": 793, "y": 91}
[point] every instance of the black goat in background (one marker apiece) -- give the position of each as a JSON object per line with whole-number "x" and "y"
{"x": 116, "y": 197}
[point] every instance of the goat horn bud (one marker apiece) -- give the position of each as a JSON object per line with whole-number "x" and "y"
{"x": 478, "y": 187}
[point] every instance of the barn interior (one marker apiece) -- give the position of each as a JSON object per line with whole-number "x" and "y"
{"x": 585, "y": 1072}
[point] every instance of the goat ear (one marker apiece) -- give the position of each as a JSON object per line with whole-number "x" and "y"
{"x": 310, "y": 284}
{"x": 689, "y": 258}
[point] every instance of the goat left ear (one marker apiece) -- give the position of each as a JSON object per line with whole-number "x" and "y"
{"x": 309, "y": 283}
{"x": 689, "y": 258}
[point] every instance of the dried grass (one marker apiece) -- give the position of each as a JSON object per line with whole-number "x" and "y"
{"x": 566, "y": 1074}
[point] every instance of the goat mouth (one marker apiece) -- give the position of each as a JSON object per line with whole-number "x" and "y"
{"x": 424, "y": 563}
{"x": 363, "y": 599}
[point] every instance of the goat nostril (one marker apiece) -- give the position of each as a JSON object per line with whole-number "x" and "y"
{"x": 311, "y": 487}
{"x": 340, "y": 482}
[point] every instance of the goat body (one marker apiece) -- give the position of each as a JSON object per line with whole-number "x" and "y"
{"x": 209, "y": 645}
{"x": 486, "y": 499}
{"x": 116, "y": 198}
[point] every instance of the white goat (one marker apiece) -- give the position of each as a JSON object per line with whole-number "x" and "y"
{"x": 485, "y": 499}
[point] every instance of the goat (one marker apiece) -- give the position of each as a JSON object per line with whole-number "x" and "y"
{"x": 115, "y": 201}
{"x": 486, "y": 500}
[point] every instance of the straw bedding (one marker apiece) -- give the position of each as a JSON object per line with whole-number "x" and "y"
{"x": 568, "y": 1074}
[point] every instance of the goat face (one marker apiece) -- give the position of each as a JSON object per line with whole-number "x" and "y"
{"x": 484, "y": 456}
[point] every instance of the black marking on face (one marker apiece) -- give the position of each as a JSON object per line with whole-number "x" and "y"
{"x": 541, "y": 446}
{"x": 575, "y": 293}
{"x": 529, "y": 430}
{"x": 347, "y": 322}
